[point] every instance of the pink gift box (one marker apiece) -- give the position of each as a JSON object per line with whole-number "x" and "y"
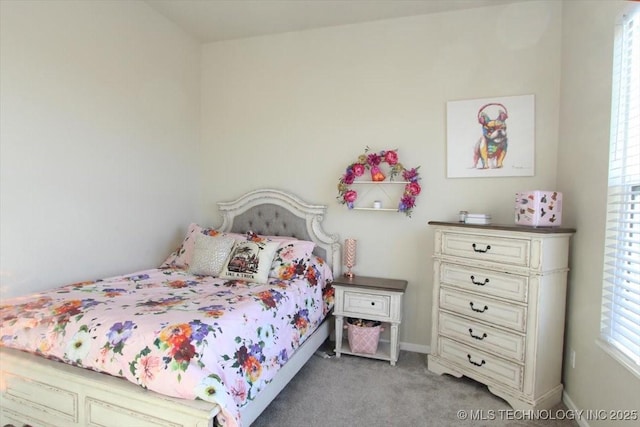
{"x": 539, "y": 208}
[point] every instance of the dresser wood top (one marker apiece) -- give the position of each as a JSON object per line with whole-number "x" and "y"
{"x": 380, "y": 283}
{"x": 521, "y": 228}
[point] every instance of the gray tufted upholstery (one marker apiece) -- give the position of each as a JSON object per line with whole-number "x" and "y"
{"x": 272, "y": 220}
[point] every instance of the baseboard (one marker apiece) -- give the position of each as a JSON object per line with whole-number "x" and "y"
{"x": 566, "y": 399}
{"x": 416, "y": 348}
{"x": 407, "y": 346}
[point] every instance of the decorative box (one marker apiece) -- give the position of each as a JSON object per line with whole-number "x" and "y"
{"x": 539, "y": 208}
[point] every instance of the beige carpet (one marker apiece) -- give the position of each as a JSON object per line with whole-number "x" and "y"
{"x": 353, "y": 391}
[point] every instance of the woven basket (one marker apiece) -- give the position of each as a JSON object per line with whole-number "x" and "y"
{"x": 363, "y": 339}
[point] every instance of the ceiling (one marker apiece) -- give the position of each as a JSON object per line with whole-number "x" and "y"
{"x": 216, "y": 20}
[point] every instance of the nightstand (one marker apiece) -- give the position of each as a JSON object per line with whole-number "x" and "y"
{"x": 370, "y": 298}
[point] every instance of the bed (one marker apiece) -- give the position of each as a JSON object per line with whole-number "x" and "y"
{"x": 190, "y": 371}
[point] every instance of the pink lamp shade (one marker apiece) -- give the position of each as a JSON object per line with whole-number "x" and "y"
{"x": 349, "y": 256}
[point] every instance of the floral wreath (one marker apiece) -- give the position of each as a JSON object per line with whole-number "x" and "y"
{"x": 372, "y": 161}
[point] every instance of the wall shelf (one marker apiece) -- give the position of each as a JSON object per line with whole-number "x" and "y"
{"x": 380, "y": 182}
{"x": 382, "y": 192}
{"x": 376, "y": 209}
{"x": 388, "y": 193}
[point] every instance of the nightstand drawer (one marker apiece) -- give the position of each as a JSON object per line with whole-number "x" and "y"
{"x": 503, "y": 285}
{"x": 505, "y": 344}
{"x": 483, "y": 364}
{"x": 487, "y": 248}
{"x": 486, "y": 309}
{"x": 367, "y": 304}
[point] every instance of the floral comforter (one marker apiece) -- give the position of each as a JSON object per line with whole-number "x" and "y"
{"x": 191, "y": 337}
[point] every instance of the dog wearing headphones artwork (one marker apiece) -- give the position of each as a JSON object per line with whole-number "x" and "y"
{"x": 491, "y": 149}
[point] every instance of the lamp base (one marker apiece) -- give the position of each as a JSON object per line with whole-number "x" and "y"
{"x": 349, "y": 274}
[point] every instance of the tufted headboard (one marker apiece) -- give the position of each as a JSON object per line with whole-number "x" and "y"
{"x": 277, "y": 213}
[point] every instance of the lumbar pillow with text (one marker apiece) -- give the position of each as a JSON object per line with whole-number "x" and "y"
{"x": 250, "y": 261}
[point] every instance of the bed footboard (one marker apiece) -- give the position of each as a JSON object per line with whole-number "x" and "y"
{"x": 35, "y": 391}
{"x": 40, "y": 392}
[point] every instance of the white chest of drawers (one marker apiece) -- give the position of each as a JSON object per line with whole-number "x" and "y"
{"x": 498, "y": 309}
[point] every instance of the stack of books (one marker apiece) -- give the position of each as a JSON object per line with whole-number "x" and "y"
{"x": 477, "y": 219}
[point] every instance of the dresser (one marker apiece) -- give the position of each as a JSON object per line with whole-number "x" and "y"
{"x": 498, "y": 308}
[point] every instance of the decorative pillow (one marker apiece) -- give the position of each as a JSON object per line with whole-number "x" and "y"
{"x": 181, "y": 257}
{"x": 250, "y": 261}
{"x": 291, "y": 258}
{"x": 210, "y": 254}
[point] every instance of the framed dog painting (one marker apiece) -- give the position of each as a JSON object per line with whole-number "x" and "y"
{"x": 491, "y": 137}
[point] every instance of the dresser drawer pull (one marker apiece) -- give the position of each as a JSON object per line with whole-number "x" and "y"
{"x": 481, "y": 250}
{"x": 478, "y": 310}
{"x": 479, "y": 283}
{"x": 373, "y": 303}
{"x": 478, "y": 337}
{"x": 475, "y": 363}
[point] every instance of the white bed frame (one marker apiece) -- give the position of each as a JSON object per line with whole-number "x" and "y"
{"x": 35, "y": 391}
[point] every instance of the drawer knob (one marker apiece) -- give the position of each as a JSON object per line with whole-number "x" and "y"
{"x": 478, "y": 310}
{"x": 373, "y": 303}
{"x": 478, "y": 337}
{"x": 475, "y": 363}
{"x": 481, "y": 250}
{"x": 479, "y": 283}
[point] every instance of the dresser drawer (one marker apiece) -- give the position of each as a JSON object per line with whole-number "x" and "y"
{"x": 486, "y": 309}
{"x": 487, "y": 248}
{"x": 503, "y": 285}
{"x": 505, "y": 344}
{"x": 366, "y": 304}
{"x": 474, "y": 363}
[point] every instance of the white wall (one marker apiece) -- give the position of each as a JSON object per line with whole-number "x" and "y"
{"x": 99, "y": 130}
{"x": 100, "y": 160}
{"x": 597, "y": 381}
{"x": 293, "y": 110}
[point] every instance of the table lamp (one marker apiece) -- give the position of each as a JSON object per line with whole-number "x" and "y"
{"x": 349, "y": 256}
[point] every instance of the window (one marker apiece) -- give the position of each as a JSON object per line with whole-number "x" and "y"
{"x": 620, "y": 331}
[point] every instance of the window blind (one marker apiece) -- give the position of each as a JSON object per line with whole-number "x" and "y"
{"x": 620, "y": 327}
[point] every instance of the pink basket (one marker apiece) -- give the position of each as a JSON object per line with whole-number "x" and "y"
{"x": 363, "y": 339}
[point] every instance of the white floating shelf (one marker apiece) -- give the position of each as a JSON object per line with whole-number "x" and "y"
{"x": 380, "y": 182}
{"x": 375, "y": 209}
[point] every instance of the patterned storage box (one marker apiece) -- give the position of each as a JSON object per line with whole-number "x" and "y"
{"x": 539, "y": 208}
{"x": 363, "y": 339}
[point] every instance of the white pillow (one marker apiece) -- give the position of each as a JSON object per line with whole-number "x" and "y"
{"x": 210, "y": 254}
{"x": 250, "y": 261}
